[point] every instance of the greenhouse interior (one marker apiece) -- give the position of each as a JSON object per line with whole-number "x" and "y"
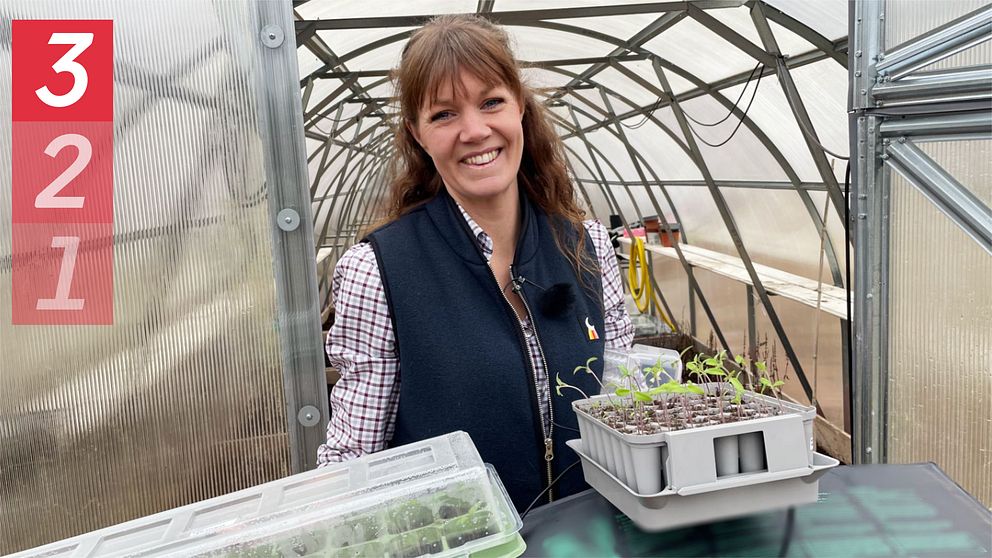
{"x": 735, "y": 258}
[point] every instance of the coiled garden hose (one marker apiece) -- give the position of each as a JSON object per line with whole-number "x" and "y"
{"x": 639, "y": 281}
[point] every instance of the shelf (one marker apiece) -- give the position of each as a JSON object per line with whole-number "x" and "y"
{"x": 775, "y": 281}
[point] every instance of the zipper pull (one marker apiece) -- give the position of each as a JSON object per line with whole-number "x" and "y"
{"x": 549, "y": 451}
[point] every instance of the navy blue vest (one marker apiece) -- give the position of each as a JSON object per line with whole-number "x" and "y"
{"x": 463, "y": 357}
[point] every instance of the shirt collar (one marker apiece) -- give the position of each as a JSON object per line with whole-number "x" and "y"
{"x": 485, "y": 242}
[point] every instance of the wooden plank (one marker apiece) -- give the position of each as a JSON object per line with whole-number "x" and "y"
{"x": 833, "y": 300}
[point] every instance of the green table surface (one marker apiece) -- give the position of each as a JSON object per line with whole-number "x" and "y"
{"x": 864, "y": 510}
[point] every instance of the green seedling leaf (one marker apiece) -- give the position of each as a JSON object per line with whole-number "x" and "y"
{"x": 760, "y": 365}
{"x": 738, "y": 387}
{"x": 765, "y": 382}
{"x": 715, "y": 372}
{"x": 643, "y": 397}
{"x": 691, "y": 387}
{"x": 711, "y": 362}
{"x": 779, "y": 383}
{"x": 739, "y": 359}
{"x": 622, "y": 392}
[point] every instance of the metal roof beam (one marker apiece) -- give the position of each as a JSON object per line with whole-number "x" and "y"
{"x": 520, "y": 16}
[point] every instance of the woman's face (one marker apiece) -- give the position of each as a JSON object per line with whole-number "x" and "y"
{"x": 475, "y": 139}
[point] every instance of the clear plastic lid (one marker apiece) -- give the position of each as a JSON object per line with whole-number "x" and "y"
{"x": 434, "y": 497}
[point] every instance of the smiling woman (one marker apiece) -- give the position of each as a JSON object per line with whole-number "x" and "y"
{"x": 481, "y": 279}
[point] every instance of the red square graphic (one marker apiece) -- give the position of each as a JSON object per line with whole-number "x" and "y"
{"x": 62, "y": 172}
{"x": 63, "y": 274}
{"x": 62, "y": 70}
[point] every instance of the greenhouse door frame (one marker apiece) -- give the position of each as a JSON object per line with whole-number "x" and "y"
{"x": 894, "y": 104}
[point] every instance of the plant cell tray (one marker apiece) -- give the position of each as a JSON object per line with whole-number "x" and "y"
{"x": 729, "y": 497}
{"x": 431, "y": 498}
{"x": 695, "y": 459}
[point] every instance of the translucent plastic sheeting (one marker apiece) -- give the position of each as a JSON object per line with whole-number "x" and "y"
{"x": 771, "y": 112}
{"x": 699, "y": 51}
{"x": 826, "y": 17}
{"x": 777, "y": 230}
{"x": 823, "y": 88}
{"x": 183, "y": 397}
{"x": 534, "y": 43}
{"x": 661, "y": 149}
{"x": 907, "y": 20}
{"x": 626, "y": 87}
{"x": 940, "y": 340}
{"x": 351, "y": 9}
{"x": 825, "y": 371}
{"x": 739, "y": 19}
{"x": 728, "y": 301}
{"x": 620, "y": 27}
{"x": 743, "y": 157}
{"x": 701, "y": 221}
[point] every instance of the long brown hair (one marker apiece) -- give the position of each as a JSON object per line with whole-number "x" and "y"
{"x": 434, "y": 56}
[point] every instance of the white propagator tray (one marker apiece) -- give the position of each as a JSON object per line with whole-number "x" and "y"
{"x": 434, "y": 497}
{"x": 692, "y": 460}
{"x": 731, "y": 497}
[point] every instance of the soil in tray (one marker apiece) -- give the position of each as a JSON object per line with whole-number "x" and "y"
{"x": 469, "y": 528}
{"x": 419, "y": 542}
{"x": 356, "y": 531}
{"x": 408, "y": 516}
{"x": 679, "y": 413}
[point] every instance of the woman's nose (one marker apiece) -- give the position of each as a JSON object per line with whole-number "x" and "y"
{"x": 474, "y": 127}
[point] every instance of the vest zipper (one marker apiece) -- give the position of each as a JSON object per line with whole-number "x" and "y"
{"x": 549, "y": 453}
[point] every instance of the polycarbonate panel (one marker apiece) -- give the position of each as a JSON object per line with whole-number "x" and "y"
{"x": 728, "y": 301}
{"x": 349, "y": 9}
{"x": 823, "y": 88}
{"x": 619, "y": 26}
{"x": 743, "y": 157}
{"x": 778, "y": 231}
{"x": 183, "y": 397}
{"x": 537, "y": 43}
{"x": 940, "y": 340}
{"x": 701, "y": 52}
{"x": 660, "y": 149}
{"x": 739, "y": 19}
{"x": 701, "y": 221}
{"x": 907, "y": 20}
{"x": 622, "y": 85}
{"x": 771, "y": 112}
{"x": 826, "y": 17}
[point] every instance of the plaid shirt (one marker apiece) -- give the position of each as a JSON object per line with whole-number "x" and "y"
{"x": 362, "y": 346}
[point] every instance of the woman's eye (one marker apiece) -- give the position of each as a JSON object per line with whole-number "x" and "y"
{"x": 492, "y": 103}
{"x": 443, "y": 115}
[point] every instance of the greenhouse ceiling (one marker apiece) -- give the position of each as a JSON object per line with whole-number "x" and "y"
{"x": 762, "y": 87}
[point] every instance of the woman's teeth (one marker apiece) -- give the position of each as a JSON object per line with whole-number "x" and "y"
{"x": 483, "y": 159}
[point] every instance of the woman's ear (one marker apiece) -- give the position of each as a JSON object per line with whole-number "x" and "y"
{"x": 410, "y": 127}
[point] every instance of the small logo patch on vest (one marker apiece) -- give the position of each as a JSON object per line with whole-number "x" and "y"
{"x": 591, "y": 331}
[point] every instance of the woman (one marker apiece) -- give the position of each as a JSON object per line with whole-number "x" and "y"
{"x": 484, "y": 281}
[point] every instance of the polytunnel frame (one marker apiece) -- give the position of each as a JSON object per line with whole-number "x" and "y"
{"x": 769, "y": 57}
{"x": 893, "y": 105}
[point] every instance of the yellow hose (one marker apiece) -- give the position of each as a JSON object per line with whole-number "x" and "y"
{"x": 639, "y": 280}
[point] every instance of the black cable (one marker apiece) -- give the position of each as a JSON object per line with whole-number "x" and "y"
{"x": 790, "y": 524}
{"x": 543, "y": 492}
{"x": 736, "y": 103}
{"x": 739, "y": 123}
{"x": 566, "y": 427}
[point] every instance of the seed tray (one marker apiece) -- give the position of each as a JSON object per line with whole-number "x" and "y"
{"x": 432, "y": 498}
{"x": 693, "y": 458}
{"x": 732, "y": 497}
